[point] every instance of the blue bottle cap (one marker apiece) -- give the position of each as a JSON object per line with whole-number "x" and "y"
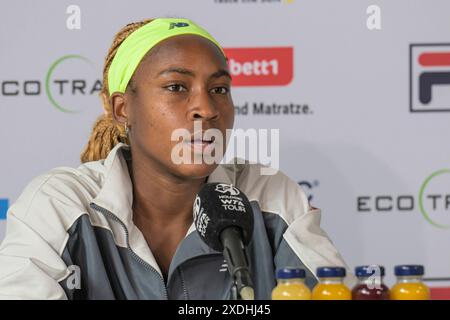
{"x": 331, "y": 272}
{"x": 290, "y": 273}
{"x": 409, "y": 270}
{"x": 367, "y": 271}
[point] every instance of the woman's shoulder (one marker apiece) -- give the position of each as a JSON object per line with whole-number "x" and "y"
{"x": 274, "y": 191}
{"x": 66, "y": 189}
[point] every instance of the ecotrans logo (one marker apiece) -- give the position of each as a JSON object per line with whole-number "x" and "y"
{"x": 66, "y": 94}
{"x": 436, "y": 211}
{"x": 433, "y": 200}
{"x": 68, "y": 82}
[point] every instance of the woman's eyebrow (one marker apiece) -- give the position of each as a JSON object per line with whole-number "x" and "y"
{"x": 219, "y": 73}
{"x": 177, "y": 70}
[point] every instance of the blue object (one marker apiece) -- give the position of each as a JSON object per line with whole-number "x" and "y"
{"x": 367, "y": 271}
{"x": 4, "y": 204}
{"x": 291, "y": 273}
{"x": 331, "y": 272}
{"x": 409, "y": 270}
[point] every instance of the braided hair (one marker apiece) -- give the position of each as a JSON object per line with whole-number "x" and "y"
{"x": 105, "y": 133}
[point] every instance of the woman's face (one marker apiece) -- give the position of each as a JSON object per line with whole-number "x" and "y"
{"x": 181, "y": 80}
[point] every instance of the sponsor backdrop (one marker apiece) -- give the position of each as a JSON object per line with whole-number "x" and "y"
{"x": 360, "y": 94}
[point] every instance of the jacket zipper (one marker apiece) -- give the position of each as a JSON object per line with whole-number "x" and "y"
{"x": 110, "y": 215}
{"x": 185, "y": 293}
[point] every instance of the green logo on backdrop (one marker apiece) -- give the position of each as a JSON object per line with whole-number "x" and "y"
{"x": 436, "y": 209}
{"x": 69, "y": 89}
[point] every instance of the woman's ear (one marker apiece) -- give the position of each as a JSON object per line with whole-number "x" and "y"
{"x": 119, "y": 107}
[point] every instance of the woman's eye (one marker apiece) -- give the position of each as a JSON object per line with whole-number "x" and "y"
{"x": 176, "y": 88}
{"x": 220, "y": 90}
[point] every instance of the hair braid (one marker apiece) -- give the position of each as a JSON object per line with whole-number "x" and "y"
{"x": 105, "y": 133}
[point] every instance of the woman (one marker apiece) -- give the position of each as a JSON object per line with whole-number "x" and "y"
{"x": 120, "y": 225}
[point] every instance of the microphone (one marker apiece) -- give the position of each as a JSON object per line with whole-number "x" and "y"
{"x": 223, "y": 217}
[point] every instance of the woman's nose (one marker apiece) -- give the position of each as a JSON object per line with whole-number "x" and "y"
{"x": 203, "y": 108}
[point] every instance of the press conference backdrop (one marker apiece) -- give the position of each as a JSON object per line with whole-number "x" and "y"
{"x": 361, "y": 96}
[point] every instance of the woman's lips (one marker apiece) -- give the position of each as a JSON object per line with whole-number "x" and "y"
{"x": 199, "y": 145}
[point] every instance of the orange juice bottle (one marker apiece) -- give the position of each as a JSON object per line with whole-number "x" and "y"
{"x": 409, "y": 284}
{"x": 291, "y": 285}
{"x": 331, "y": 285}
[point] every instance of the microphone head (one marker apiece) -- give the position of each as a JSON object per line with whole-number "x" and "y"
{"x": 218, "y": 206}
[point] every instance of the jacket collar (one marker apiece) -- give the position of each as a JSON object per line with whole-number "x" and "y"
{"x": 116, "y": 194}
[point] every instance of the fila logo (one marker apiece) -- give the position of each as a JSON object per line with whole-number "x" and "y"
{"x": 429, "y": 77}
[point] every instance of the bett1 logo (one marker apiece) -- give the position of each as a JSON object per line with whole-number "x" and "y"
{"x": 271, "y": 66}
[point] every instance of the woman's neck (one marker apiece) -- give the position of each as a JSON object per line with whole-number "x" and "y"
{"x": 160, "y": 197}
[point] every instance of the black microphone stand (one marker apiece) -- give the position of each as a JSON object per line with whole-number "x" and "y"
{"x": 238, "y": 268}
{"x": 234, "y": 292}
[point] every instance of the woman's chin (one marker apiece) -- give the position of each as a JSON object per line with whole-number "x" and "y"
{"x": 196, "y": 171}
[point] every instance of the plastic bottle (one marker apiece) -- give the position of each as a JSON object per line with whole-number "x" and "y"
{"x": 409, "y": 284}
{"x": 291, "y": 285}
{"x": 331, "y": 285}
{"x": 370, "y": 284}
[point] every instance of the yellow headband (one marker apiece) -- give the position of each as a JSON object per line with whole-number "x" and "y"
{"x": 139, "y": 42}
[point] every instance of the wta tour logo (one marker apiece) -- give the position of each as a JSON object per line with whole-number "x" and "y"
{"x": 429, "y": 77}
{"x": 224, "y": 188}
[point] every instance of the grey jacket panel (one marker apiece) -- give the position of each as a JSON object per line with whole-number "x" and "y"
{"x": 108, "y": 271}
